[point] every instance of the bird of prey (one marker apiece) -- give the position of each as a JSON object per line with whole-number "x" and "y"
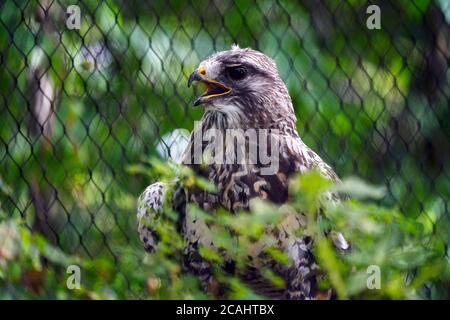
{"x": 244, "y": 92}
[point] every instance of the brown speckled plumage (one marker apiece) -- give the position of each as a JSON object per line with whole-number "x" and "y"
{"x": 258, "y": 101}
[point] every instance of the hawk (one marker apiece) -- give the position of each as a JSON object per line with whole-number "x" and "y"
{"x": 244, "y": 92}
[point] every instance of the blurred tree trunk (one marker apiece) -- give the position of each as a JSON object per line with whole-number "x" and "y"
{"x": 41, "y": 127}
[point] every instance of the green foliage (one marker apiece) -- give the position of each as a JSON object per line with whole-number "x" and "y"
{"x": 407, "y": 253}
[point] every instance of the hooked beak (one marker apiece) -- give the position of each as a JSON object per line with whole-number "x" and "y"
{"x": 195, "y": 76}
{"x": 213, "y": 88}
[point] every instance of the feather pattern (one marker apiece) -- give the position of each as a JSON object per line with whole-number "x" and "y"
{"x": 259, "y": 102}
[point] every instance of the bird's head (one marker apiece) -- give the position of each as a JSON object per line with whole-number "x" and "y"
{"x": 245, "y": 80}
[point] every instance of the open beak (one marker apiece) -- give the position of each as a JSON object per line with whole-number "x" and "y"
{"x": 213, "y": 88}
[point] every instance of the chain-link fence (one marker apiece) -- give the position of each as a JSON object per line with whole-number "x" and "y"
{"x": 83, "y": 105}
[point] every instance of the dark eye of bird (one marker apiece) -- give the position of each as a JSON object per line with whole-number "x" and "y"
{"x": 237, "y": 73}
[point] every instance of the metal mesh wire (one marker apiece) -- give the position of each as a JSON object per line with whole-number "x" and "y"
{"x": 80, "y": 108}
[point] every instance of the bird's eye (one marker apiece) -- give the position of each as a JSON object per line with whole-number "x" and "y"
{"x": 237, "y": 73}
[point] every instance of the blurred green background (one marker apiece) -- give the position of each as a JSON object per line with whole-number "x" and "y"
{"x": 83, "y": 110}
